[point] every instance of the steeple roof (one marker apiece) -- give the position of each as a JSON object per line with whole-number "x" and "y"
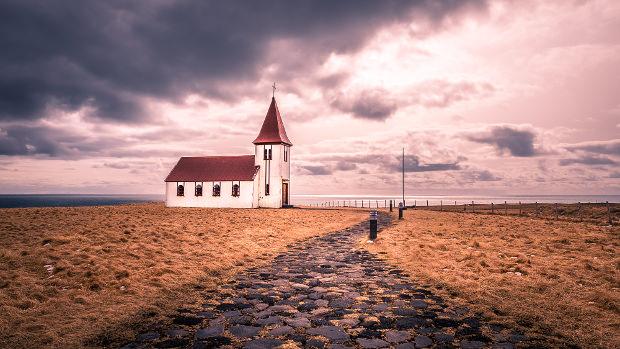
{"x": 273, "y": 131}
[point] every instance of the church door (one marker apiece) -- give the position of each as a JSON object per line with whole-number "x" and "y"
{"x": 284, "y": 193}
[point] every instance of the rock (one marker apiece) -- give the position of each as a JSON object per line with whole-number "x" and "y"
{"x": 465, "y": 344}
{"x": 211, "y": 331}
{"x": 371, "y": 343}
{"x": 243, "y": 331}
{"x": 408, "y": 322}
{"x": 330, "y": 332}
{"x": 443, "y": 337}
{"x": 298, "y": 322}
{"x": 187, "y": 320}
{"x": 418, "y": 303}
{"x": 148, "y": 336}
{"x": 272, "y": 320}
{"x": 176, "y": 333}
{"x": 423, "y": 342}
{"x": 212, "y": 342}
{"x": 263, "y": 343}
{"x": 405, "y": 346}
{"x": 503, "y": 345}
{"x": 397, "y": 336}
{"x": 281, "y": 331}
{"x": 321, "y": 303}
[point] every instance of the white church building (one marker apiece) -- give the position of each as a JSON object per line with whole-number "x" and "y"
{"x": 243, "y": 181}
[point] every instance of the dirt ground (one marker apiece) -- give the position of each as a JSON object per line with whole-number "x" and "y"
{"x": 557, "y": 281}
{"x": 93, "y": 276}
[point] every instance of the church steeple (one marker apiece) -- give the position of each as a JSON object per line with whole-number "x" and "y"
{"x": 273, "y": 131}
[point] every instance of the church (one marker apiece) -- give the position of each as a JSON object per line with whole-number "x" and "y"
{"x": 241, "y": 181}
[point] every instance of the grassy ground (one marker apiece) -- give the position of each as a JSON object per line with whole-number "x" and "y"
{"x": 558, "y": 281}
{"x": 71, "y": 277}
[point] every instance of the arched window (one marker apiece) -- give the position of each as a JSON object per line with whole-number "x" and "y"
{"x": 235, "y": 190}
{"x": 198, "y": 190}
{"x": 180, "y": 190}
{"x": 216, "y": 189}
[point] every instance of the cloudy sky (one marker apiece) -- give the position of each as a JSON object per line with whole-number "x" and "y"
{"x": 486, "y": 97}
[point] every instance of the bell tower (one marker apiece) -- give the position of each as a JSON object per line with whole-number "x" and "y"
{"x": 272, "y": 152}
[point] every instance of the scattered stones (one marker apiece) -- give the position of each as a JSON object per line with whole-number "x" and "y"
{"x": 326, "y": 293}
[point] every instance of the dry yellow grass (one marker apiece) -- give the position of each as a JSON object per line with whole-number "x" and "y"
{"x": 71, "y": 277}
{"x": 557, "y": 281}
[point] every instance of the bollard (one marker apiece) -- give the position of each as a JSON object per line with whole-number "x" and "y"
{"x": 400, "y": 213}
{"x": 441, "y": 205}
{"x": 492, "y": 208}
{"x": 519, "y": 208}
{"x": 390, "y": 205}
{"x": 373, "y": 225}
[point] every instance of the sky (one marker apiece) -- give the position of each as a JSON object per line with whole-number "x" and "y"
{"x": 486, "y": 97}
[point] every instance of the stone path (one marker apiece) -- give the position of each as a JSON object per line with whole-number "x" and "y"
{"x": 326, "y": 293}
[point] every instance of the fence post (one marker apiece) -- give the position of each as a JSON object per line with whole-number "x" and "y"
{"x": 473, "y": 207}
{"x": 492, "y": 208}
{"x": 519, "y": 208}
{"x": 441, "y": 205}
{"x": 505, "y": 208}
{"x": 426, "y": 203}
{"x": 390, "y": 205}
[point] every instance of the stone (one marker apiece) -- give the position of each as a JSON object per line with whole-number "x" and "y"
{"x": 212, "y": 342}
{"x": 372, "y": 343}
{"x": 211, "y": 331}
{"x": 272, "y": 320}
{"x": 330, "y": 332}
{"x": 281, "y": 331}
{"x": 465, "y": 344}
{"x": 148, "y": 336}
{"x": 408, "y": 322}
{"x": 263, "y": 343}
{"x": 243, "y": 331}
{"x": 176, "y": 333}
{"x": 298, "y": 322}
{"x": 418, "y": 303}
{"x": 405, "y": 346}
{"x": 315, "y": 343}
{"x": 423, "y": 342}
{"x": 397, "y": 336}
{"x": 503, "y": 345}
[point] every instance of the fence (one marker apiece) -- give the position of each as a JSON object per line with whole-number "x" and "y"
{"x": 604, "y": 212}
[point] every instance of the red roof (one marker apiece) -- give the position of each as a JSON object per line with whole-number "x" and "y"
{"x": 213, "y": 168}
{"x": 273, "y": 128}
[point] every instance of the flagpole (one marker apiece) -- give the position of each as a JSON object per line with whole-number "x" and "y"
{"x": 403, "y": 177}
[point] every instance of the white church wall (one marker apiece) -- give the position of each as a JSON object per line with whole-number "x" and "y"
{"x": 244, "y": 200}
{"x": 278, "y": 170}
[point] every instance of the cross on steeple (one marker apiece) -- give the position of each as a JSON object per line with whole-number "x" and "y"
{"x": 274, "y": 90}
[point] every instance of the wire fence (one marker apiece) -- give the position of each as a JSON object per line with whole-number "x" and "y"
{"x": 599, "y": 213}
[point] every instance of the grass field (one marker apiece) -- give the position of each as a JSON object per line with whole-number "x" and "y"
{"x": 91, "y": 276}
{"x": 558, "y": 281}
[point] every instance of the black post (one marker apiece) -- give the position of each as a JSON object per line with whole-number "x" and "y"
{"x": 390, "y": 205}
{"x": 492, "y": 208}
{"x": 400, "y": 213}
{"x": 373, "y": 225}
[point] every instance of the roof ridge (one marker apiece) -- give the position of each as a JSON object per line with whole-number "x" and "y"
{"x": 272, "y": 131}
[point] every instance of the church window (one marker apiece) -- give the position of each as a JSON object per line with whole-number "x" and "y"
{"x": 270, "y": 154}
{"x": 267, "y": 189}
{"x": 235, "y": 190}
{"x": 267, "y": 154}
{"x": 180, "y": 190}
{"x": 198, "y": 191}
{"x": 216, "y": 189}
{"x": 285, "y": 154}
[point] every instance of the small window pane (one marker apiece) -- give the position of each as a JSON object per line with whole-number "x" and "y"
{"x": 180, "y": 190}
{"x": 199, "y": 190}
{"x": 216, "y": 190}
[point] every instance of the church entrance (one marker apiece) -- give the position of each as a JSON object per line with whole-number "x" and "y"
{"x": 284, "y": 193}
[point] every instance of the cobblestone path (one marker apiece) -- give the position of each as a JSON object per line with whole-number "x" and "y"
{"x": 326, "y": 293}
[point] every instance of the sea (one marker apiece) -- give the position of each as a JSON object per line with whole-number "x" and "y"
{"x": 64, "y": 200}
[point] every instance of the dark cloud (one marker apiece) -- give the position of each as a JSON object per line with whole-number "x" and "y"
{"x": 317, "y": 170}
{"x": 611, "y": 147}
{"x": 413, "y": 164}
{"x": 481, "y": 176}
{"x": 517, "y": 142}
{"x": 108, "y": 54}
{"x": 369, "y": 104}
{"x": 588, "y": 160}
{"x": 25, "y": 140}
{"x": 615, "y": 174}
{"x": 345, "y": 166}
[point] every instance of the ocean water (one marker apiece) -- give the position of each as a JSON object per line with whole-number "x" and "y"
{"x": 421, "y": 200}
{"x": 60, "y": 200}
